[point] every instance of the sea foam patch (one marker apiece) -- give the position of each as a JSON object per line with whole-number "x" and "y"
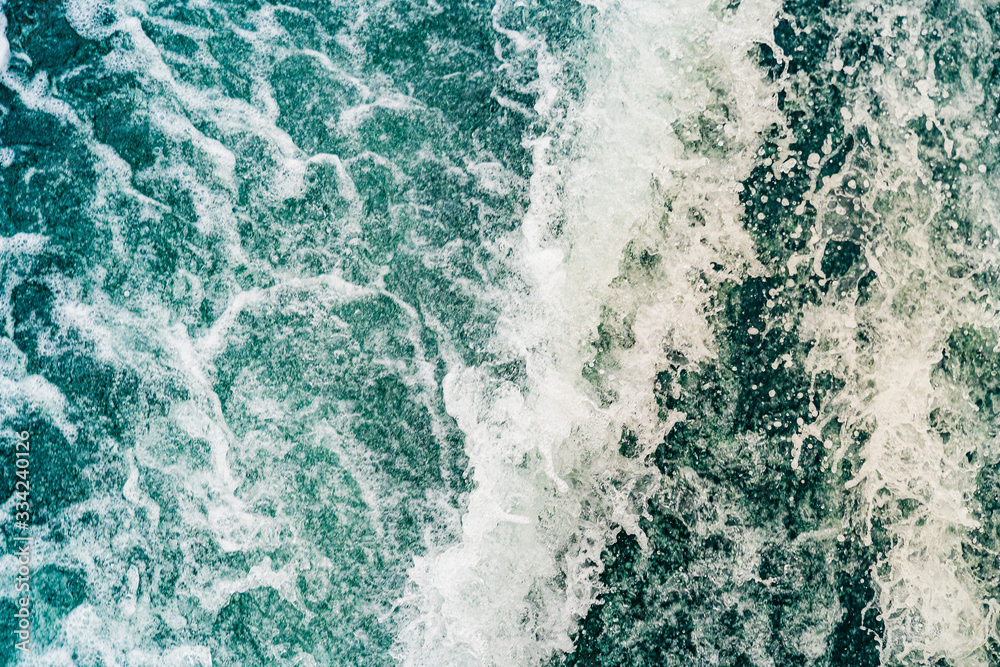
{"x": 4, "y": 44}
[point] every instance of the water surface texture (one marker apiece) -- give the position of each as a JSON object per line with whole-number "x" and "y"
{"x": 543, "y": 333}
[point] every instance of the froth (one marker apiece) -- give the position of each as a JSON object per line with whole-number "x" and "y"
{"x": 92, "y": 19}
{"x": 4, "y": 44}
{"x": 917, "y": 478}
{"x": 552, "y": 489}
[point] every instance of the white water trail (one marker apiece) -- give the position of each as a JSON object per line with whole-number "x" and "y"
{"x": 551, "y": 487}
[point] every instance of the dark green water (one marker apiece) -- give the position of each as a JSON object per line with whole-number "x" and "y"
{"x": 517, "y": 334}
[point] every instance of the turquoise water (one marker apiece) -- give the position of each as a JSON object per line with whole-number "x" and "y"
{"x": 535, "y": 333}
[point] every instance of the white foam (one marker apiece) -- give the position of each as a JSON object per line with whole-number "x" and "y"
{"x": 89, "y": 18}
{"x": 551, "y": 487}
{"x": 4, "y": 44}
{"x": 21, "y": 244}
{"x": 930, "y": 601}
{"x": 35, "y": 392}
{"x": 215, "y": 504}
{"x": 36, "y": 95}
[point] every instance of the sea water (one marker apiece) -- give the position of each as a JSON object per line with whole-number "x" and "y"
{"x": 515, "y": 333}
